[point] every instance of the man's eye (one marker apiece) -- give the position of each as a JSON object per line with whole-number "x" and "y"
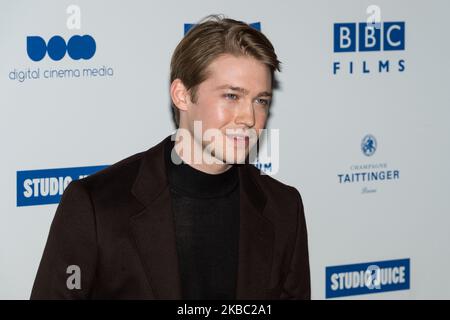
{"x": 231, "y": 96}
{"x": 264, "y": 102}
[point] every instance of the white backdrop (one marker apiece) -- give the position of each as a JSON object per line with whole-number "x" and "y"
{"x": 76, "y": 122}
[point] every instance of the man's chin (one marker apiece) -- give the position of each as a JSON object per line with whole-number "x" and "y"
{"x": 236, "y": 159}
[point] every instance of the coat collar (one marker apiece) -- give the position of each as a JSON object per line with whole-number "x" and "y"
{"x": 154, "y": 231}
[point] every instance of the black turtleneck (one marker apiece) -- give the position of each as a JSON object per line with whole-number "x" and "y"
{"x": 206, "y": 215}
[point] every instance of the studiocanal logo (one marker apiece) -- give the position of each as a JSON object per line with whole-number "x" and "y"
{"x": 369, "y": 47}
{"x": 40, "y": 49}
{"x": 46, "y": 186}
{"x": 365, "y": 278}
{"x": 368, "y": 175}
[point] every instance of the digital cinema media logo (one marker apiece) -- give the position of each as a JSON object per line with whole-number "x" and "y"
{"x": 355, "y": 43}
{"x": 368, "y": 174}
{"x": 78, "y": 47}
{"x": 46, "y": 186}
{"x": 54, "y": 51}
{"x": 366, "y": 278}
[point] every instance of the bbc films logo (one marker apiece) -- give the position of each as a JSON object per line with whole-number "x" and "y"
{"x": 367, "y": 278}
{"x": 354, "y": 45}
{"x": 49, "y": 54}
{"x": 368, "y": 174}
{"x": 46, "y": 186}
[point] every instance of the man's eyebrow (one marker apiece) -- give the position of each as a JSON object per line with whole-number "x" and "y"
{"x": 264, "y": 94}
{"x": 243, "y": 90}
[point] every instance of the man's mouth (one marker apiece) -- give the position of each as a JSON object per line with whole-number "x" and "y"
{"x": 239, "y": 139}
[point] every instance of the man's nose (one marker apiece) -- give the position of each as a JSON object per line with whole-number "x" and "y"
{"x": 246, "y": 114}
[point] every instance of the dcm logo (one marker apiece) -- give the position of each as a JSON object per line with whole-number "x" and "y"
{"x": 78, "y": 47}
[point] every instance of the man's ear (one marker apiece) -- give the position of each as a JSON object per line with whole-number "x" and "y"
{"x": 179, "y": 94}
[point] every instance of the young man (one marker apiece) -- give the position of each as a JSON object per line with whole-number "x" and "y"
{"x": 190, "y": 218}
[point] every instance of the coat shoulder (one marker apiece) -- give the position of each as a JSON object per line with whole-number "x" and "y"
{"x": 275, "y": 190}
{"x": 122, "y": 172}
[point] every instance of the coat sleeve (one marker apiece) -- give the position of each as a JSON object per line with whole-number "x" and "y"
{"x": 298, "y": 284}
{"x": 67, "y": 267}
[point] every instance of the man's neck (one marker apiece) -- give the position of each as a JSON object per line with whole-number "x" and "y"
{"x": 216, "y": 167}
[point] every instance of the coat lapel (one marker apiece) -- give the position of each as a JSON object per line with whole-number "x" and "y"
{"x": 256, "y": 238}
{"x": 153, "y": 229}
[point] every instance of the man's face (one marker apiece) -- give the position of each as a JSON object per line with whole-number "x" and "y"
{"x": 234, "y": 99}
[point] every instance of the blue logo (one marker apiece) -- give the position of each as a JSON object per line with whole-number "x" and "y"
{"x": 78, "y": 47}
{"x": 35, "y": 187}
{"x": 364, "y": 37}
{"x": 265, "y": 167}
{"x": 188, "y": 26}
{"x": 365, "y": 278}
{"x": 390, "y": 37}
{"x": 369, "y": 145}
